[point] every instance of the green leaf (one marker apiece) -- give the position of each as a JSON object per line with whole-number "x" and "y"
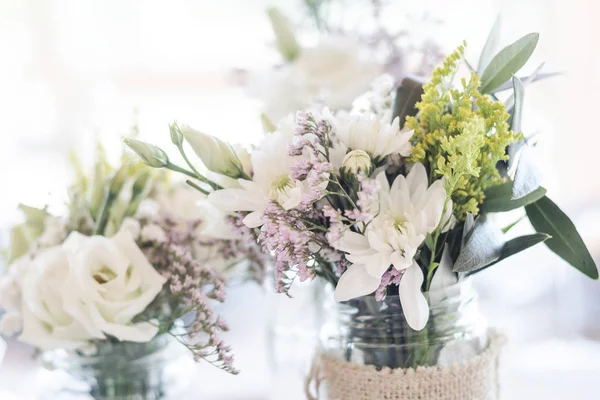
{"x": 545, "y": 216}
{"x": 482, "y": 248}
{"x": 499, "y": 198}
{"x": 512, "y": 224}
{"x": 532, "y": 78}
{"x": 507, "y": 62}
{"x": 491, "y": 45}
{"x": 407, "y": 96}
{"x": 515, "y": 246}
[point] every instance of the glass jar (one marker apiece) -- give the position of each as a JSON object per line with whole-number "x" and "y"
{"x": 369, "y": 332}
{"x": 120, "y": 370}
{"x": 293, "y": 326}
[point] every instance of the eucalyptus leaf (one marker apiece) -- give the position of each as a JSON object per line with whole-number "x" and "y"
{"x": 519, "y": 97}
{"x": 515, "y": 246}
{"x": 538, "y": 77}
{"x": 545, "y": 216}
{"x": 507, "y": 62}
{"x": 499, "y": 198}
{"x": 510, "y": 102}
{"x": 491, "y": 45}
{"x": 407, "y": 95}
{"x": 482, "y": 248}
{"x": 526, "y": 180}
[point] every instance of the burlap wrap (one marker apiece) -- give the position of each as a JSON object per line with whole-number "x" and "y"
{"x": 476, "y": 379}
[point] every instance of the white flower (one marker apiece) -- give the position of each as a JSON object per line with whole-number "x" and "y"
{"x": 46, "y": 323}
{"x": 153, "y": 233}
{"x": 408, "y": 211}
{"x": 10, "y": 295}
{"x": 356, "y": 161}
{"x": 334, "y": 72}
{"x": 132, "y": 226}
{"x": 271, "y": 164}
{"x": 54, "y": 233}
{"x": 110, "y": 282}
{"x": 368, "y": 132}
{"x": 216, "y": 155}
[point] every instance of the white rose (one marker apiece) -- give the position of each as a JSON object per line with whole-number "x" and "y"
{"x": 46, "y": 324}
{"x": 110, "y": 282}
{"x": 334, "y": 72}
{"x": 10, "y": 295}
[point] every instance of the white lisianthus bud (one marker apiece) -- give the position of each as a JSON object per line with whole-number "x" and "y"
{"x": 267, "y": 125}
{"x": 286, "y": 41}
{"x": 216, "y": 155}
{"x": 151, "y": 155}
{"x": 357, "y": 161}
{"x": 176, "y": 135}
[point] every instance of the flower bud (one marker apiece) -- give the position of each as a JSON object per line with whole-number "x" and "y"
{"x": 357, "y": 161}
{"x": 151, "y": 155}
{"x": 267, "y": 125}
{"x": 216, "y": 155}
{"x": 286, "y": 41}
{"x": 176, "y": 135}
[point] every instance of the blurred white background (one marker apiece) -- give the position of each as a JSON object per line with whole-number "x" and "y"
{"x": 74, "y": 71}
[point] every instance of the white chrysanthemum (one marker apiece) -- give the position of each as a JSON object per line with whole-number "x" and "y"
{"x": 408, "y": 211}
{"x": 370, "y": 133}
{"x": 271, "y": 164}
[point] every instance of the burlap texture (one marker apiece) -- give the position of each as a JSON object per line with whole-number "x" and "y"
{"x": 476, "y": 379}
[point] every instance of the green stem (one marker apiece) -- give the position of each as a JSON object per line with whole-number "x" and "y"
{"x": 104, "y": 213}
{"x": 198, "y": 188}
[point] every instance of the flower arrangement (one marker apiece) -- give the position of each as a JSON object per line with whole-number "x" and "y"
{"x": 396, "y": 196}
{"x": 130, "y": 260}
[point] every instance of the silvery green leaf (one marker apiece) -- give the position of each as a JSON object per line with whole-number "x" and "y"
{"x": 507, "y": 62}
{"x": 515, "y": 246}
{"x": 526, "y": 179}
{"x": 491, "y": 45}
{"x": 519, "y": 96}
{"x": 542, "y": 75}
{"x": 467, "y": 228}
{"x": 482, "y": 248}
{"x": 510, "y": 102}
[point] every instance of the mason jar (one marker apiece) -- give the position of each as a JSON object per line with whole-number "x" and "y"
{"x": 365, "y": 332}
{"x": 119, "y": 370}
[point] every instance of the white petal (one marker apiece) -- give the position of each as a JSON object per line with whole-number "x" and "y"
{"x": 443, "y": 276}
{"x": 381, "y": 263}
{"x": 417, "y": 177}
{"x": 352, "y": 242}
{"x": 414, "y": 304}
{"x": 355, "y": 282}
{"x": 254, "y": 219}
{"x": 234, "y": 200}
{"x": 382, "y": 181}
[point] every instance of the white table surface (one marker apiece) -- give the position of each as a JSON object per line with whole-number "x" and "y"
{"x": 549, "y": 369}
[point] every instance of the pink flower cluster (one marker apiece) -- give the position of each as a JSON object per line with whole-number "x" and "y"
{"x": 390, "y": 277}
{"x": 286, "y": 236}
{"x": 191, "y": 288}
